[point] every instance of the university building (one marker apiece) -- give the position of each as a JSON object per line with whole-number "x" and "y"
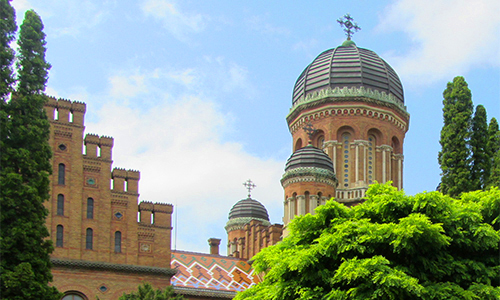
{"x": 348, "y": 122}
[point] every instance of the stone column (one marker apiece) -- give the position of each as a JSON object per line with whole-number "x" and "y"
{"x": 313, "y": 203}
{"x": 301, "y": 205}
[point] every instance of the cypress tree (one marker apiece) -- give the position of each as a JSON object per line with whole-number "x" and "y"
{"x": 480, "y": 162}
{"x": 24, "y": 248}
{"x": 493, "y": 153}
{"x": 454, "y": 157}
{"x": 8, "y": 29}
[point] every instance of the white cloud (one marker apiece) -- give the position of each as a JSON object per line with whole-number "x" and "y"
{"x": 449, "y": 37}
{"x": 178, "y": 149}
{"x": 78, "y": 14}
{"x": 260, "y": 24}
{"x": 127, "y": 86}
{"x": 179, "y": 23}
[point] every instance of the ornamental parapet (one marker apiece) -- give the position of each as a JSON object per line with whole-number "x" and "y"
{"x": 309, "y": 174}
{"x": 104, "y": 266}
{"x": 349, "y": 92}
{"x": 239, "y": 223}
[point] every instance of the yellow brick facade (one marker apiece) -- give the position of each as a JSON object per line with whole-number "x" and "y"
{"x": 101, "y": 249}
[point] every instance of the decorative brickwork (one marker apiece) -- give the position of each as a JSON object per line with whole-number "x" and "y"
{"x": 102, "y": 250}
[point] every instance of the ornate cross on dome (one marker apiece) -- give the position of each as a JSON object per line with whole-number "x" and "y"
{"x": 309, "y": 129}
{"x": 350, "y": 26}
{"x": 250, "y": 186}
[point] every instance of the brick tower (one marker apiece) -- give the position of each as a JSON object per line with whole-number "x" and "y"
{"x": 100, "y": 247}
{"x": 354, "y": 101}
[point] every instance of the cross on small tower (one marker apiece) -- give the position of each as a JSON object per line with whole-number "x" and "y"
{"x": 250, "y": 186}
{"x": 350, "y": 26}
{"x": 309, "y": 129}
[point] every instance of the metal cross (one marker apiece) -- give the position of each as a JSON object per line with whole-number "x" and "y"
{"x": 350, "y": 26}
{"x": 250, "y": 186}
{"x": 309, "y": 129}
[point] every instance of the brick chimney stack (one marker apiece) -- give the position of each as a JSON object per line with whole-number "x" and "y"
{"x": 214, "y": 245}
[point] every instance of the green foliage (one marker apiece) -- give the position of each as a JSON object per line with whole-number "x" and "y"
{"x": 33, "y": 69}
{"x": 147, "y": 292}
{"x": 393, "y": 246}
{"x": 25, "y": 167}
{"x": 493, "y": 153}
{"x": 454, "y": 155}
{"x": 8, "y": 29}
{"x": 480, "y": 162}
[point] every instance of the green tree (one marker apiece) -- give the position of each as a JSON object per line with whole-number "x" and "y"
{"x": 480, "y": 161}
{"x": 454, "y": 157}
{"x": 8, "y": 29}
{"x": 24, "y": 175}
{"x": 393, "y": 246}
{"x": 32, "y": 67}
{"x": 147, "y": 292}
{"x": 493, "y": 152}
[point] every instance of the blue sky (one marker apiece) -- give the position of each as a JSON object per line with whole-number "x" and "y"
{"x": 195, "y": 93}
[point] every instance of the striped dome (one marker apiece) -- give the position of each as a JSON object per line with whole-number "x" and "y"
{"x": 248, "y": 208}
{"x": 348, "y": 66}
{"x": 309, "y": 156}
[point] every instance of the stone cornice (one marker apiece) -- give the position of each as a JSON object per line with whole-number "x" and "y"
{"x": 297, "y": 118}
{"x": 309, "y": 174}
{"x": 239, "y": 223}
{"x": 387, "y": 99}
{"x": 104, "y": 266}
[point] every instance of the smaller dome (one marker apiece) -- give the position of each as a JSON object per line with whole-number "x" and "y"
{"x": 309, "y": 156}
{"x": 248, "y": 208}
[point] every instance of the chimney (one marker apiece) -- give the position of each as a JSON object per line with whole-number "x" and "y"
{"x": 214, "y": 245}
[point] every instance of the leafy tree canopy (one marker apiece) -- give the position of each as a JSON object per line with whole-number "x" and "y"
{"x": 147, "y": 292}
{"x": 393, "y": 246}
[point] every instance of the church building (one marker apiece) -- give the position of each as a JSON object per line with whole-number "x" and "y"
{"x": 348, "y": 122}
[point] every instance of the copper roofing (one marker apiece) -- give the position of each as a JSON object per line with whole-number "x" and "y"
{"x": 248, "y": 208}
{"x": 309, "y": 156}
{"x": 348, "y": 66}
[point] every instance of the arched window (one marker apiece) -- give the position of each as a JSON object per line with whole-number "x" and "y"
{"x": 298, "y": 144}
{"x": 90, "y": 208}
{"x": 73, "y": 296}
{"x": 346, "y": 140}
{"x": 118, "y": 242}
{"x": 89, "y": 240}
{"x": 320, "y": 141}
{"x": 372, "y": 142}
{"x": 61, "y": 174}
{"x": 59, "y": 235}
{"x": 60, "y": 205}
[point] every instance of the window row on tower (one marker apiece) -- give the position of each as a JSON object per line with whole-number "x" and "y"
{"x": 89, "y": 238}
{"x": 60, "y": 206}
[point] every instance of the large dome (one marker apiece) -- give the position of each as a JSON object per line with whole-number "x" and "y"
{"x": 248, "y": 208}
{"x": 348, "y": 66}
{"x": 309, "y": 156}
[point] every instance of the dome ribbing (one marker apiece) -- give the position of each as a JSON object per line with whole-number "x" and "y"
{"x": 348, "y": 66}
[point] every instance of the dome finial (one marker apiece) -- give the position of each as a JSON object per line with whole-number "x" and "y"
{"x": 350, "y": 26}
{"x": 309, "y": 129}
{"x": 250, "y": 186}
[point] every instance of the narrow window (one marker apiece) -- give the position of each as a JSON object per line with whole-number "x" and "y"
{"x": 90, "y": 208}
{"x": 346, "y": 137}
{"x": 59, "y": 236}
{"x": 89, "y": 239}
{"x": 61, "y": 173}
{"x": 371, "y": 158}
{"x": 118, "y": 242}
{"x": 60, "y": 205}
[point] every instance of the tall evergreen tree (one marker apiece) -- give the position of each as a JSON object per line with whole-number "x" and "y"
{"x": 8, "y": 29}
{"x": 25, "y": 168}
{"x": 493, "y": 152}
{"x": 480, "y": 162}
{"x": 454, "y": 157}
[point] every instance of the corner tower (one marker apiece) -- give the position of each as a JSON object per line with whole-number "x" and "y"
{"x": 354, "y": 100}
